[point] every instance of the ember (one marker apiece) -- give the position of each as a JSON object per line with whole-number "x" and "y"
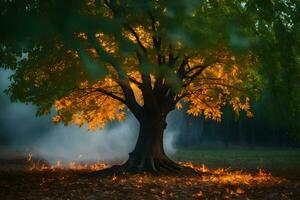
{"x": 219, "y": 183}
{"x": 217, "y": 176}
{"x": 225, "y": 176}
{"x": 59, "y": 165}
{"x": 40, "y": 166}
{"x": 29, "y": 158}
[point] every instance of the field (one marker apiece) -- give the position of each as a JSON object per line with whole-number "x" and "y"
{"x": 266, "y": 174}
{"x": 281, "y": 162}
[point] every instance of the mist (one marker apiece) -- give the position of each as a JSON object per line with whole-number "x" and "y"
{"x": 21, "y": 129}
{"x": 70, "y": 143}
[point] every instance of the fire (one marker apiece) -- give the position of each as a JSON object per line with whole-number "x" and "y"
{"x": 198, "y": 194}
{"x": 220, "y": 183}
{"x": 216, "y": 176}
{"x": 204, "y": 168}
{"x": 29, "y": 157}
{"x": 59, "y": 165}
{"x": 114, "y": 178}
{"x": 225, "y": 176}
{"x": 227, "y": 183}
{"x": 39, "y": 166}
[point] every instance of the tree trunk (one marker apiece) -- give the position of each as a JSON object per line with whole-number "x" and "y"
{"x": 148, "y": 154}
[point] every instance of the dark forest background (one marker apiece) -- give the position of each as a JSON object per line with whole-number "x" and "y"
{"x": 235, "y": 131}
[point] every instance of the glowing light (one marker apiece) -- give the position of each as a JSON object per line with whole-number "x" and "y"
{"x": 217, "y": 176}
{"x": 29, "y": 157}
{"x": 59, "y": 165}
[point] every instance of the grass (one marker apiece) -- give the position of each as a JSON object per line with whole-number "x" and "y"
{"x": 278, "y": 161}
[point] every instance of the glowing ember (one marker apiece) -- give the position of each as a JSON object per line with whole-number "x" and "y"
{"x": 29, "y": 157}
{"x": 209, "y": 184}
{"x": 198, "y": 194}
{"x": 224, "y": 176}
{"x": 67, "y": 166}
{"x": 59, "y": 165}
{"x": 216, "y": 176}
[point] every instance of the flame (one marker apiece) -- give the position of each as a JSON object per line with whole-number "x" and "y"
{"x": 225, "y": 176}
{"x": 204, "y": 168}
{"x": 40, "y": 166}
{"x": 198, "y": 194}
{"x": 229, "y": 183}
{"x": 217, "y": 176}
{"x": 114, "y": 178}
{"x": 29, "y": 157}
{"x": 59, "y": 165}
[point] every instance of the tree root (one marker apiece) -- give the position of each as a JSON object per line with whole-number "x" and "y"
{"x": 157, "y": 167}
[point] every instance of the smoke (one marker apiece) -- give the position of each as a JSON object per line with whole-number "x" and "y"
{"x": 18, "y": 123}
{"x": 70, "y": 143}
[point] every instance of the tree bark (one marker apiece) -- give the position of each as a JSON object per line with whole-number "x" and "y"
{"x": 148, "y": 154}
{"x": 149, "y": 151}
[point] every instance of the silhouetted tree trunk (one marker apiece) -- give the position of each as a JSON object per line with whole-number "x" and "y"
{"x": 148, "y": 153}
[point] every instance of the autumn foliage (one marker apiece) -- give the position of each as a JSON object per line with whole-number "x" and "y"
{"x": 109, "y": 61}
{"x": 205, "y": 86}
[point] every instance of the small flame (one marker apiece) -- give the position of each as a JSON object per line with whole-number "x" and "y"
{"x": 225, "y": 176}
{"x": 218, "y": 176}
{"x": 38, "y": 166}
{"x": 114, "y": 178}
{"x": 204, "y": 168}
{"x": 29, "y": 157}
{"x": 198, "y": 194}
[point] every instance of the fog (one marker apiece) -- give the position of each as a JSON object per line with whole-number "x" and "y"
{"x": 20, "y": 128}
{"x": 109, "y": 145}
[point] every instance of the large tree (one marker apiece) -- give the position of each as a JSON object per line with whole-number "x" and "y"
{"x": 95, "y": 61}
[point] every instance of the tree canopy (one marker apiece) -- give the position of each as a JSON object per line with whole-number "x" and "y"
{"x": 94, "y": 59}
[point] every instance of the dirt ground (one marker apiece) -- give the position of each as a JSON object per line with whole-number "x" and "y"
{"x": 18, "y": 182}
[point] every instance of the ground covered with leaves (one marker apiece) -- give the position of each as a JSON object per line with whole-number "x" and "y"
{"x": 27, "y": 178}
{"x": 211, "y": 184}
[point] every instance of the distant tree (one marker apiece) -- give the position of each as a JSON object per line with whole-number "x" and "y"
{"x": 277, "y": 24}
{"x": 96, "y": 60}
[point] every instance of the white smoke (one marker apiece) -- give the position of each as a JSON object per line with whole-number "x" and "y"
{"x": 66, "y": 143}
{"x": 70, "y": 143}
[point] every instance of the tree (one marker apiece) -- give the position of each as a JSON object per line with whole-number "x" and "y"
{"x": 97, "y": 60}
{"x": 277, "y": 25}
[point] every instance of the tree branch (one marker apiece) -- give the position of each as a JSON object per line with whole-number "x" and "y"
{"x": 222, "y": 84}
{"x": 136, "y": 37}
{"x": 192, "y": 78}
{"x": 103, "y": 91}
{"x": 114, "y": 10}
{"x": 130, "y": 100}
{"x": 111, "y": 94}
{"x": 132, "y": 79}
{"x": 181, "y": 69}
{"x": 146, "y": 87}
{"x": 191, "y": 69}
